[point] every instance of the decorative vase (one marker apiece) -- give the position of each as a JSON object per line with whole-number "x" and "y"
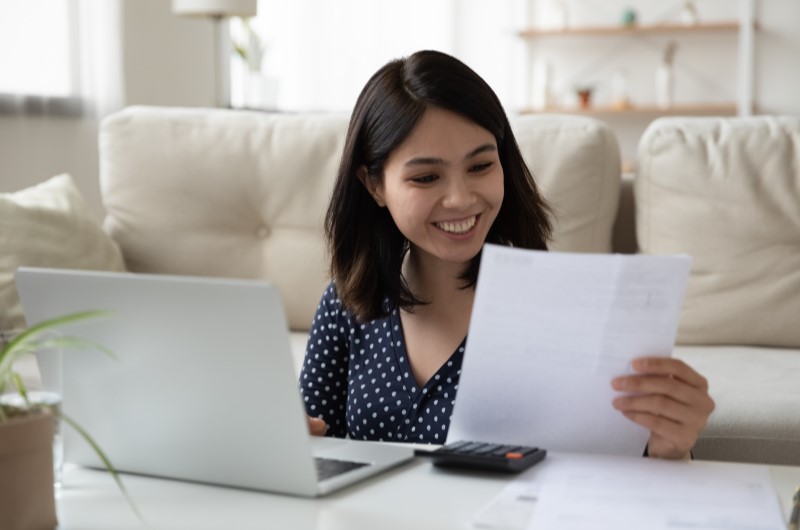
{"x": 561, "y": 14}
{"x": 27, "y": 498}
{"x": 619, "y": 91}
{"x": 543, "y": 98}
{"x": 689, "y": 16}
{"x": 584, "y": 94}
{"x": 665, "y": 86}
{"x": 628, "y": 17}
{"x": 261, "y": 92}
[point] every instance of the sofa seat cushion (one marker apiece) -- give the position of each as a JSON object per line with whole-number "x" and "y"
{"x": 48, "y": 225}
{"x": 727, "y": 192}
{"x": 757, "y": 393}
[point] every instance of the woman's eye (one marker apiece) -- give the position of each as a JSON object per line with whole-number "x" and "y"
{"x": 477, "y": 168}
{"x": 426, "y": 179}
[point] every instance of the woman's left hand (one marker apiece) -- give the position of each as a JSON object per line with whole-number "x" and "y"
{"x": 669, "y": 399}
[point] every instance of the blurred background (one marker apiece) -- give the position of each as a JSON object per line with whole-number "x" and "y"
{"x": 65, "y": 64}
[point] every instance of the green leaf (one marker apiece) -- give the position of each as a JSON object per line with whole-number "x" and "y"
{"x": 74, "y": 343}
{"x": 106, "y": 462}
{"x": 33, "y": 331}
{"x": 26, "y": 341}
{"x": 20, "y": 387}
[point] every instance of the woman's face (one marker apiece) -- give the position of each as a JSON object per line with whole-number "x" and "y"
{"x": 443, "y": 186}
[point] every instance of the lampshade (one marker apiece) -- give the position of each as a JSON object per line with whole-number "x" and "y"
{"x": 219, "y": 8}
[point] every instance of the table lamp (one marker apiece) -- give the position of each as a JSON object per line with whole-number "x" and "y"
{"x": 217, "y": 10}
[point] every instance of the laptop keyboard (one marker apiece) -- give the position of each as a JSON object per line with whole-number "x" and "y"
{"x": 329, "y": 468}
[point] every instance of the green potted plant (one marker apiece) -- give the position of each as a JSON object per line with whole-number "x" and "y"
{"x": 27, "y": 498}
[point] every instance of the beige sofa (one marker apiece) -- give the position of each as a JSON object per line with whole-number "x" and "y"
{"x": 243, "y": 194}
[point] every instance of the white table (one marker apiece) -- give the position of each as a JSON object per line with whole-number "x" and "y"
{"x": 414, "y": 496}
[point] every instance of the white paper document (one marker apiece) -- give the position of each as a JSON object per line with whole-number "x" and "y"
{"x": 622, "y": 493}
{"x": 512, "y": 508}
{"x": 547, "y": 334}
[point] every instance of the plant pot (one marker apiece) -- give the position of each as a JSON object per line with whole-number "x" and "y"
{"x": 27, "y": 500}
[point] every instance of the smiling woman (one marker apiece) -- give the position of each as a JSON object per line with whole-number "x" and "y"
{"x": 443, "y": 204}
{"x": 430, "y": 172}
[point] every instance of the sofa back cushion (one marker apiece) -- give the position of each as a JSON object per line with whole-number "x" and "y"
{"x": 727, "y": 192}
{"x": 244, "y": 194}
{"x": 223, "y": 193}
{"x": 48, "y": 225}
{"x": 576, "y": 163}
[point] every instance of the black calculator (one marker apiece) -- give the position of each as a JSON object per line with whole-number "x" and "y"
{"x": 487, "y": 456}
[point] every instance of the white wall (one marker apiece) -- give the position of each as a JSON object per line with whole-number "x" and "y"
{"x": 169, "y": 61}
{"x": 777, "y": 68}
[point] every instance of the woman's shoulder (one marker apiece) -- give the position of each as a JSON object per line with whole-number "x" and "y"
{"x": 331, "y": 300}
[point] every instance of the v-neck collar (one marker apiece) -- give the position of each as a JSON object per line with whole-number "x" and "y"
{"x": 415, "y": 392}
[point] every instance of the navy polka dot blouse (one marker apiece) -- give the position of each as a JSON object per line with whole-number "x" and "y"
{"x": 356, "y": 377}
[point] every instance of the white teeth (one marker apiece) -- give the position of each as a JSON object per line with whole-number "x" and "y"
{"x": 460, "y": 227}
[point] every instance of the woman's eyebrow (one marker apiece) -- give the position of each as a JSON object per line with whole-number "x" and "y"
{"x": 434, "y": 161}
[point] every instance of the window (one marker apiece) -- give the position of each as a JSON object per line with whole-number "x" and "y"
{"x": 38, "y": 51}
{"x": 316, "y": 55}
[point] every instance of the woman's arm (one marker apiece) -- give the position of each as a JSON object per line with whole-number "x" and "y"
{"x": 323, "y": 378}
{"x": 670, "y": 399}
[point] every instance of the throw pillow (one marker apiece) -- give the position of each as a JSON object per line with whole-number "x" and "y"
{"x": 48, "y": 225}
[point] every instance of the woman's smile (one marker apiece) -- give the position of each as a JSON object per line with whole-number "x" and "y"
{"x": 458, "y": 227}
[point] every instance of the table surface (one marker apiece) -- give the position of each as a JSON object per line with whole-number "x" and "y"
{"x": 415, "y": 495}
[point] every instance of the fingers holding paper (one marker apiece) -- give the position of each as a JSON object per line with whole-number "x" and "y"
{"x": 670, "y": 399}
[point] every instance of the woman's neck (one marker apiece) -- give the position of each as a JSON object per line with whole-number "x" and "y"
{"x": 437, "y": 282}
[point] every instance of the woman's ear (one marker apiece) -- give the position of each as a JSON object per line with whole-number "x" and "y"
{"x": 374, "y": 186}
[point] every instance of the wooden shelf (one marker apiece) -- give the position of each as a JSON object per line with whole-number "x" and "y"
{"x": 636, "y": 29}
{"x": 722, "y": 109}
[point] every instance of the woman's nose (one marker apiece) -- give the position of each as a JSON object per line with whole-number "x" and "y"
{"x": 458, "y": 195}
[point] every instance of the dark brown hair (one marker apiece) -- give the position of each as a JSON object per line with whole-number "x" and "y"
{"x": 365, "y": 245}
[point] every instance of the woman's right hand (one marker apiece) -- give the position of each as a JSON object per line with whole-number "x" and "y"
{"x": 317, "y": 426}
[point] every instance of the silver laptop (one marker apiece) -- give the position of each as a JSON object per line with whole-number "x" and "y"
{"x": 202, "y": 389}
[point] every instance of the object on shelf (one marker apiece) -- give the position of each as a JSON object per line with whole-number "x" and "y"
{"x": 561, "y": 8}
{"x": 252, "y": 89}
{"x": 628, "y": 17}
{"x": 620, "y": 98}
{"x": 689, "y": 16}
{"x": 543, "y": 96}
{"x": 584, "y": 93}
{"x": 665, "y": 77}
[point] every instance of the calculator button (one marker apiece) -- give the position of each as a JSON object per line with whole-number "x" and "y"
{"x": 484, "y": 450}
{"x": 456, "y": 446}
{"x": 503, "y": 449}
{"x": 469, "y": 447}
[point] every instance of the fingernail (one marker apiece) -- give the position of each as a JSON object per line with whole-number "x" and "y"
{"x": 618, "y": 383}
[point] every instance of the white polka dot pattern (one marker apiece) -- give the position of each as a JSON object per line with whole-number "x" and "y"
{"x": 356, "y": 377}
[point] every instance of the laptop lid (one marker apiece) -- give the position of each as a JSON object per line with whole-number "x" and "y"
{"x": 202, "y": 388}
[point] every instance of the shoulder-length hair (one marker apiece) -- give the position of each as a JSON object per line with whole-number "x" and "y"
{"x": 366, "y": 247}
